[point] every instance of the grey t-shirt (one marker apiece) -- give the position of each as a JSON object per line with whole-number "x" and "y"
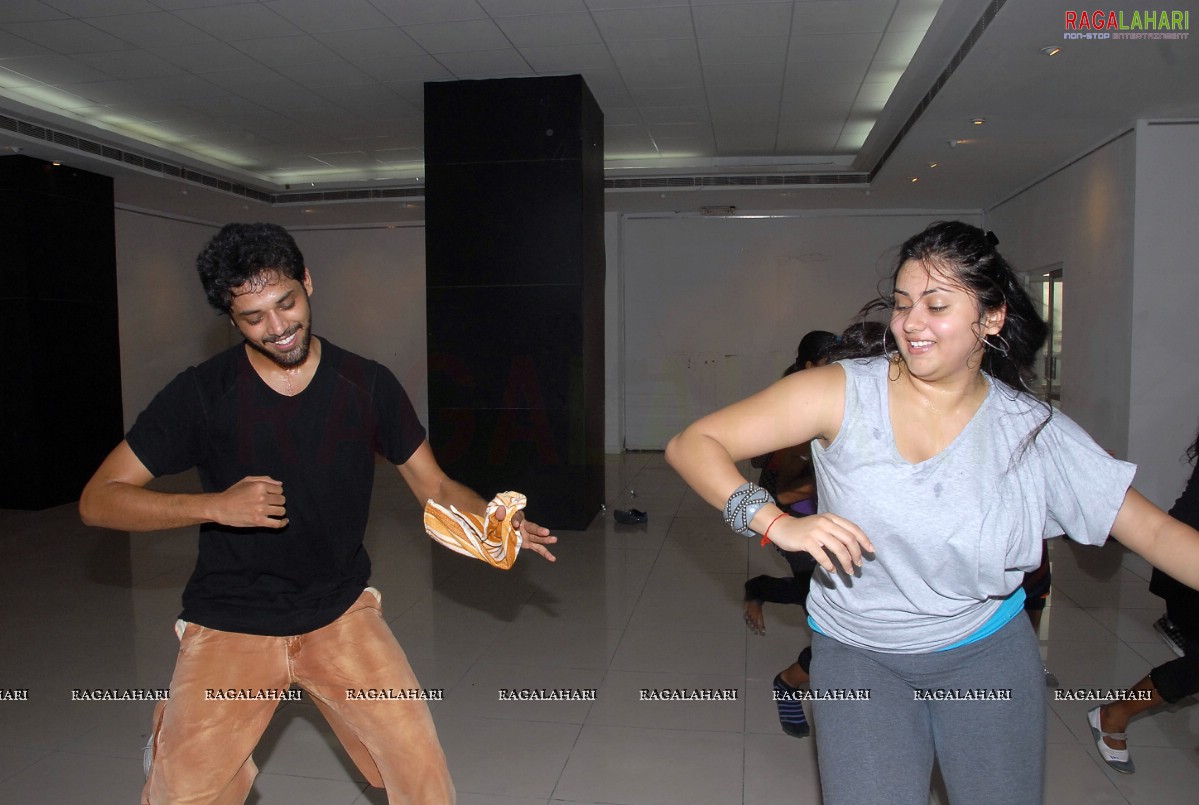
{"x": 953, "y": 535}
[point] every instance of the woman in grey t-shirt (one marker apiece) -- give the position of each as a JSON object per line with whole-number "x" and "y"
{"x": 938, "y": 476}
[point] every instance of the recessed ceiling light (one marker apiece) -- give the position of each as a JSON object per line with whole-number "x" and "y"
{"x": 913, "y": 179}
{"x": 1051, "y": 50}
{"x": 933, "y": 164}
{"x": 978, "y": 121}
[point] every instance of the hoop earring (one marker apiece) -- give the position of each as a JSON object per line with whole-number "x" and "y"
{"x": 894, "y": 360}
{"x": 1002, "y": 347}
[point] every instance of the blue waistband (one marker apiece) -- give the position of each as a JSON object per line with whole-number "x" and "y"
{"x": 1012, "y": 606}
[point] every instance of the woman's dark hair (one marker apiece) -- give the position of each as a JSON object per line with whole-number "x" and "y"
{"x": 246, "y": 253}
{"x": 813, "y": 348}
{"x": 968, "y": 255}
{"x": 862, "y": 339}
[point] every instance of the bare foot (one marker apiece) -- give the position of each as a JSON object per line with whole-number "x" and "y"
{"x": 755, "y": 619}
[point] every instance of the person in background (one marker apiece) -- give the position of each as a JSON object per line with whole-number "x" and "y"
{"x": 787, "y": 475}
{"x": 1170, "y": 682}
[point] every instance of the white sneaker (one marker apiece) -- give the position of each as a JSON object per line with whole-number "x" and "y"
{"x": 1118, "y": 759}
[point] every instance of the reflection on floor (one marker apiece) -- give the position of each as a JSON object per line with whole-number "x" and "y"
{"x": 625, "y": 608}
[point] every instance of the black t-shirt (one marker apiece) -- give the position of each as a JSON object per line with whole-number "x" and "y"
{"x": 221, "y": 418}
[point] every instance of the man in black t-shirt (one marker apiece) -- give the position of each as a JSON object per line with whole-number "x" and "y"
{"x": 283, "y": 430}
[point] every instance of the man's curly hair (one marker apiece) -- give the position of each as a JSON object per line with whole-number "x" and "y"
{"x": 246, "y": 253}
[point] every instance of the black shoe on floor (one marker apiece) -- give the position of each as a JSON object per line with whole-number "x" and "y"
{"x": 1170, "y": 634}
{"x": 630, "y": 517}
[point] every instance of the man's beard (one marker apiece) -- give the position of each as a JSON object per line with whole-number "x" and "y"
{"x": 287, "y": 360}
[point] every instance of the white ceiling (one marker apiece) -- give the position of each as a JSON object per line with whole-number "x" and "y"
{"x": 327, "y": 94}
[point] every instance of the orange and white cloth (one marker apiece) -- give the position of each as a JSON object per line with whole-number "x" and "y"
{"x": 496, "y": 542}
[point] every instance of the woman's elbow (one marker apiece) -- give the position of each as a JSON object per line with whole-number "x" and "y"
{"x": 672, "y": 451}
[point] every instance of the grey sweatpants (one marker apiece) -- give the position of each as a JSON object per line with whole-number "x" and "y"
{"x": 980, "y": 709}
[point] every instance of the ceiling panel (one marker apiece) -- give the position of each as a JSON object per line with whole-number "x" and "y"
{"x": 458, "y": 37}
{"x": 152, "y": 31}
{"x": 486, "y": 64}
{"x": 846, "y": 16}
{"x": 545, "y": 30}
{"x": 418, "y": 12}
{"x": 834, "y": 47}
{"x": 742, "y": 21}
{"x": 709, "y": 86}
{"x": 568, "y": 58}
{"x": 28, "y": 11}
{"x": 744, "y": 50}
{"x": 513, "y": 8}
{"x": 287, "y": 51}
{"x": 237, "y": 22}
{"x": 359, "y": 46}
{"x": 670, "y": 22}
{"x": 211, "y": 56}
{"x": 65, "y": 37}
{"x": 321, "y": 16}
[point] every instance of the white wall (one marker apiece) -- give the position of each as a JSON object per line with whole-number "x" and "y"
{"x": 166, "y": 324}
{"x": 1082, "y": 217}
{"x": 613, "y": 336}
{"x": 369, "y": 297}
{"x": 1122, "y": 221}
{"x": 715, "y": 307}
{"x": 1164, "y": 388}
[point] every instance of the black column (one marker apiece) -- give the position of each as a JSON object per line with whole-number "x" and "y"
{"x": 60, "y": 405}
{"x": 515, "y": 274}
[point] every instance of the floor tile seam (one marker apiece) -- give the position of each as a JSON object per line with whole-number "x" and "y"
{"x": 565, "y": 761}
{"x": 47, "y": 753}
{"x": 633, "y": 605}
{"x": 470, "y": 666}
{"x": 523, "y": 720}
{"x": 730, "y": 731}
{"x": 677, "y": 630}
{"x": 362, "y": 784}
{"x": 659, "y": 729}
{"x": 710, "y": 732}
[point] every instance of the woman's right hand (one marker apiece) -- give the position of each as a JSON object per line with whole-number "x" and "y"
{"x": 826, "y": 537}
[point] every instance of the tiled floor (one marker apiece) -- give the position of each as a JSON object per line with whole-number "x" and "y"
{"x": 625, "y": 608}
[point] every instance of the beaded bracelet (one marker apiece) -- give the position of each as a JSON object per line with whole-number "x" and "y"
{"x": 742, "y": 505}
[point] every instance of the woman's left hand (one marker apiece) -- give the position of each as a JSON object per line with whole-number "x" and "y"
{"x": 827, "y": 537}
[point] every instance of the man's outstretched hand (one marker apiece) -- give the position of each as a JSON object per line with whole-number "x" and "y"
{"x": 533, "y": 537}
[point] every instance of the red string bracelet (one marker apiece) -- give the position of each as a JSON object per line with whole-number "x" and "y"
{"x": 766, "y": 535}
